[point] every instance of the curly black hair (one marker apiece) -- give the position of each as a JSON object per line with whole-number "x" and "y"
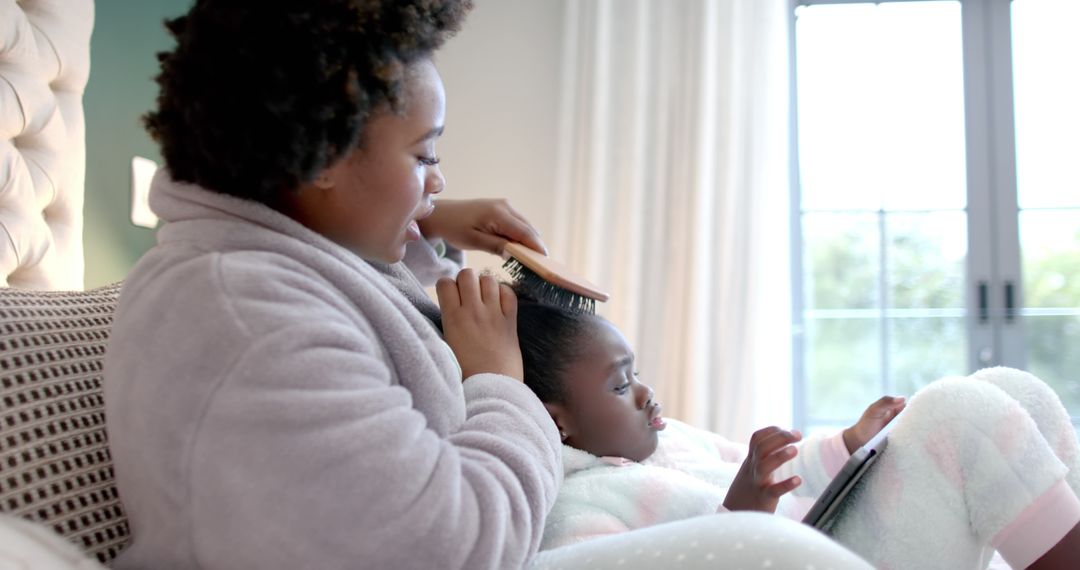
{"x": 549, "y": 335}
{"x": 260, "y": 95}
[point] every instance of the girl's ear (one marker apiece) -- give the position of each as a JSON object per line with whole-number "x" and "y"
{"x": 563, "y": 420}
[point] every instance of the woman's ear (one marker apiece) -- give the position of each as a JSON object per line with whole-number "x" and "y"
{"x": 324, "y": 180}
{"x": 562, "y": 419}
{"x": 329, "y": 177}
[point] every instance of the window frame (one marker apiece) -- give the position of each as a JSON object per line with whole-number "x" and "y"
{"x": 995, "y": 337}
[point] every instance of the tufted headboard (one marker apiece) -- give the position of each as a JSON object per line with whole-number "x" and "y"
{"x": 44, "y": 65}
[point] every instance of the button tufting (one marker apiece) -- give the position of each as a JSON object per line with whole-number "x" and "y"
{"x": 41, "y": 146}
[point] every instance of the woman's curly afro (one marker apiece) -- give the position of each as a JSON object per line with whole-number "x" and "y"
{"x": 260, "y": 95}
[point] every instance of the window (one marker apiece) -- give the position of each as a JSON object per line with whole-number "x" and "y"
{"x": 914, "y": 199}
{"x": 1047, "y": 91}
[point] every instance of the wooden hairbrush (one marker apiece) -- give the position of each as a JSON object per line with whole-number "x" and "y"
{"x": 551, "y": 282}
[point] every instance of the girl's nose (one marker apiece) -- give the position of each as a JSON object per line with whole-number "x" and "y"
{"x": 645, "y": 396}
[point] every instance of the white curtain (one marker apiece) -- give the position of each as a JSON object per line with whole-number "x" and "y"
{"x": 673, "y": 192}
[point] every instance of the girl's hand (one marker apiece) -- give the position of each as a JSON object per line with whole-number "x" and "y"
{"x": 753, "y": 488}
{"x": 877, "y": 416}
{"x": 480, "y": 324}
{"x": 484, "y": 225}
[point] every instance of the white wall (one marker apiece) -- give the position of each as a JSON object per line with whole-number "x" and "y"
{"x": 502, "y": 77}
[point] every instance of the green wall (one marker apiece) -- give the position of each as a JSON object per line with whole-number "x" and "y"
{"x": 123, "y": 61}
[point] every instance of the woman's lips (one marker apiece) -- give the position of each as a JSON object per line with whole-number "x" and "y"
{"x": 412, "y": 229}
{"x": 426, "y": 212}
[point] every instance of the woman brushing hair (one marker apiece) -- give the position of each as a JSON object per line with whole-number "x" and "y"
{"x": 277, "y": 395}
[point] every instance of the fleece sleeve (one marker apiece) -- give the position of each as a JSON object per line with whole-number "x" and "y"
{"x": 431, "y": 259}
{"x": 819, "y": 459}
{"x": 311, "y": 456}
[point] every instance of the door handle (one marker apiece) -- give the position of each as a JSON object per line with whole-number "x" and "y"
{"x": 984, "y": 302}
{"x": 1010, "y": 302}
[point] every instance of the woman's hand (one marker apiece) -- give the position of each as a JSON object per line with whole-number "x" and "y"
{"x": 484, "y": 225}
{"x": 480, "y": 324}
{"x": 753, "y": 488}
{"x": 877, "y": 416}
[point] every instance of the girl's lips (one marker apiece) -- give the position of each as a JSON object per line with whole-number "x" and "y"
{"x": 656, "y": 421}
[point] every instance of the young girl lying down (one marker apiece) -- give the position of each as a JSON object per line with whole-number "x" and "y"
{"x": 968, "y": 469}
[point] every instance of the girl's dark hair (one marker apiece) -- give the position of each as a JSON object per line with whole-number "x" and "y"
{"x": 260, "y": 95}
{"x": 549, "y": 338}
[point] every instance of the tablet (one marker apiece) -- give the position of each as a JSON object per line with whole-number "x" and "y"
{"x": 821, "y": 515}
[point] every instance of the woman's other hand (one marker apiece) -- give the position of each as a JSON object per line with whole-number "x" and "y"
{"x": 484, "y": 225}
{"x": 753, "y": 488}
{"x": 877, "y": 416}
{"x": 480, "y": 324}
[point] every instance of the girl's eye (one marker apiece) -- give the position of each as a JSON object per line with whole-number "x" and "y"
{"x": 428, "y": 160}
{"x": 622, "y": 389}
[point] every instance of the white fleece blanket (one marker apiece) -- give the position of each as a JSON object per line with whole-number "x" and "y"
{"x": 688, "y": 476}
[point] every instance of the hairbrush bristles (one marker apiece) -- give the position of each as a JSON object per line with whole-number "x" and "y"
{"x": 543, "y": 291}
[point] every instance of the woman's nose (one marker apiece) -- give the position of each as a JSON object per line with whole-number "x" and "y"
{"x": 435, "y": 182}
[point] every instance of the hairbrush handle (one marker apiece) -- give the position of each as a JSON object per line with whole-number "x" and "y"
{"x": 554, "y": 272}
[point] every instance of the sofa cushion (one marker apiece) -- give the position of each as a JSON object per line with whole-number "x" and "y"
{"x": 55, "y": 467}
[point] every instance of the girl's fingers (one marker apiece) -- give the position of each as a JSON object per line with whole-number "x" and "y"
{"x": 761, "y": 434}
{"x": 773, "y": 461}
{"x": 447, "y": 291}
{"x": 776, "y": 490}
{"x": 776, "y": 440}
{"x": 889, "y": 402}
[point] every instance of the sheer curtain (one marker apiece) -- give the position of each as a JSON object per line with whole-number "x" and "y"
{"x": 673, "y": 192}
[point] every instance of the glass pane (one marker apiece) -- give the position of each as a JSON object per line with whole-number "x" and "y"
{"x": 881, "y": 106}
{"x": 1050, "y": 242}
{"x": 842, "y": 261}
{"x": 842, "y": 367}
{"x": 1047, "y": 91}
{"x": 1052, "y": 343}
{"x": 922, "y": 350}
{"x": 926, "y": 260}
